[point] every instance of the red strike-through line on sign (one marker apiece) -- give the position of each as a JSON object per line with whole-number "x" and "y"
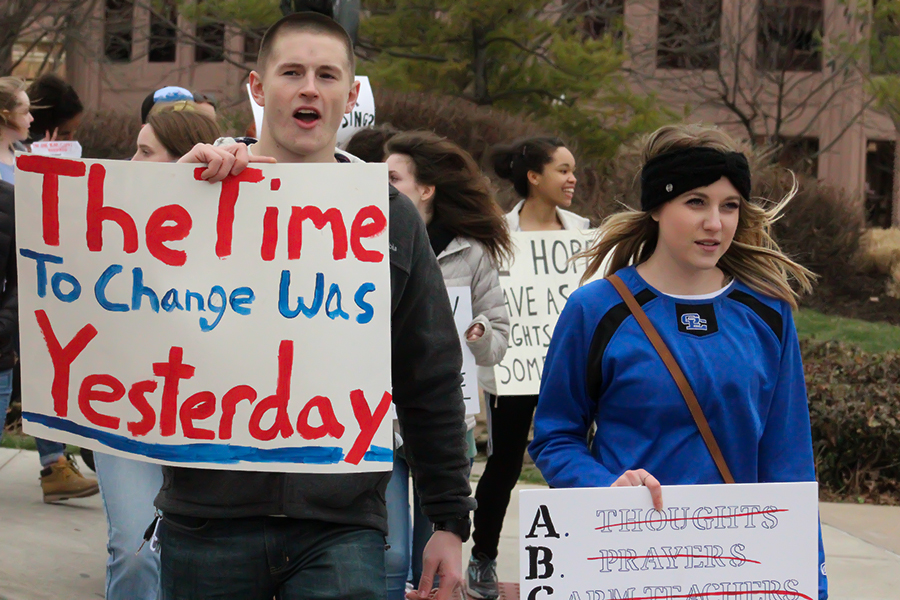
{"x": 756, "y": 562}
{"x": 708, "y": 594}
{"x": 749, "y": 514}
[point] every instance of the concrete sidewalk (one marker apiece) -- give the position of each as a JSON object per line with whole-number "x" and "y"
{"x": 58, "y": 552}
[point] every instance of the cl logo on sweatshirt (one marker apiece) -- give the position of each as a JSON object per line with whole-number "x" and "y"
{"x": 693, "y": 322}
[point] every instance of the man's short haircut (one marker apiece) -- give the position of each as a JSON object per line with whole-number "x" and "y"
{"x": 311, "y": 22}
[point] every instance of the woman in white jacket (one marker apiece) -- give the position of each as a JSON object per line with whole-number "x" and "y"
{"x": 470, "y": 238}
{"x": 542, "y": 171}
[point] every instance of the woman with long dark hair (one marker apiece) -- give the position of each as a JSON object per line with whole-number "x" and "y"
{"x": 542, "y": 171}
{"x": 470, "y": 238}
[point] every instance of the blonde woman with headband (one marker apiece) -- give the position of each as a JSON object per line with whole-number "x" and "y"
{"x": 698, "y": 261}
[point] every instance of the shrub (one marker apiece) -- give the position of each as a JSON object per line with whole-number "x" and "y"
{"x": 854, "y": 404}
{"x": 820, "y": 228}
{"x": 879, "y": 250}
{"x": 879, "y": 253}
{"x": 476, "y": 129}
{"x": 108, "y": 134}
{"x": 111, "y": 134}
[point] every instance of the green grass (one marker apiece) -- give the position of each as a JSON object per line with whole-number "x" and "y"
{"x": 20, "y": 441}
{"x": 531, "y": 474}
{"x": 871, "y": 337}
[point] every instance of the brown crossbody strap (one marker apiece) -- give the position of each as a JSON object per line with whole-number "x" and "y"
{"x": 680, "y": 380}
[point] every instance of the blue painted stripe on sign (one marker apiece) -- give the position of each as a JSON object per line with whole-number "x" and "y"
{"x": 379, "y": 454}
{"x": 208, "y": 453}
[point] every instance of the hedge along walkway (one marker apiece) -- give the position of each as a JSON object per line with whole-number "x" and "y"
{"x": 870, "y": 337}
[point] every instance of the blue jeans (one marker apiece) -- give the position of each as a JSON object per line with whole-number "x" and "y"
{"x": 407, "y": 534}
{"x": 128, "y": 488}
{"x": 258, "y": 558}
{"x": 6, "y": 390}
{"x": 50, "y": 452}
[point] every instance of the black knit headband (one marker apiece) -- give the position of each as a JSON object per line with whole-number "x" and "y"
{"x": 671, "y": 174}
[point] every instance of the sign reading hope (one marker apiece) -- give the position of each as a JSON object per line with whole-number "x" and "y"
{"x": 240, "y": 325}
{"x": 755, "y": 541}
{"x": 535, "y": 287}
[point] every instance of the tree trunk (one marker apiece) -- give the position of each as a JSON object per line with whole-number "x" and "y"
{"x": 479, "y": 66}
{"x": 895, "y": 192}
{"x": 5, "y": 59}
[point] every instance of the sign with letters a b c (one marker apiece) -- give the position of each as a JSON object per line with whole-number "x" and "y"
{"x": 710, "y": 542}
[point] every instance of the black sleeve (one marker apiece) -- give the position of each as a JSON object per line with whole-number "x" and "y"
{"x": 9, "y": 304}
{"x": 426, "y": 365}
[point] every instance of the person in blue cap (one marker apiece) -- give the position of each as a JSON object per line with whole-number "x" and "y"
{"x": 170, "y": 93}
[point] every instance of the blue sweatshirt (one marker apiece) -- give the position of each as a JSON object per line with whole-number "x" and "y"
{"x": 738, "y": 350}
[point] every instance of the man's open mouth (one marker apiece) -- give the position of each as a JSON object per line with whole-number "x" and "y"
{"x": 307, "y": 115}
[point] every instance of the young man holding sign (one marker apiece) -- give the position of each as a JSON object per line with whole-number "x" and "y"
{"x": 254, "y": 535}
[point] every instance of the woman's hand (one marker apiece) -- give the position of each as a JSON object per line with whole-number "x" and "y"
{"x": 639, "y": 477}
{"x": 474, "y": 332}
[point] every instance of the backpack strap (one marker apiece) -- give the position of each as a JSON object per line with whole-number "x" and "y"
{"x": 677, "y": 374}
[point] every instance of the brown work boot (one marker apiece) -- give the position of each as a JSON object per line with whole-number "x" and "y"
{"x": 63, "y": 480}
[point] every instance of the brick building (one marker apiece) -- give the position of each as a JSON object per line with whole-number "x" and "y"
{"x": 752, "y": 66}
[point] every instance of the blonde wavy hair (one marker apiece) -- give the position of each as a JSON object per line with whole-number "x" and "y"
{"x": 754, "y": 257}
{"x": 9, "y": 99}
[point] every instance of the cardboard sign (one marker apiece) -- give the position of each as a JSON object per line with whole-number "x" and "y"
{"x": 461, "y": 302}
{"x": 709, "y": 541}
{"x": 362, "y": 116}
{"x": 237, "y": 325}
{"x": 535, "y": 287}
{"x": 69, "y": 149}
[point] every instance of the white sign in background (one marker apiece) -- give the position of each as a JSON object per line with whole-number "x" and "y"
{"x": 191, "y": 364}
{"x": 535, "y": 287}
{"x": 461, "y": 303}
{"x": 362, "y": 116}
{"x": 63, "y": 149}
{"x": 709, "y": 541}
{"x": 257, "y": 112}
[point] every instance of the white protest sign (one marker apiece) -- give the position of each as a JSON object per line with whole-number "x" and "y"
{"x": 755, "y": 541}
{"x": 535, "y": 287}
{"x": 362, "y": 116}
{"x": 238, "y": 325}
{"x": 68, "y": 149}
{"x": 461, "y": 302}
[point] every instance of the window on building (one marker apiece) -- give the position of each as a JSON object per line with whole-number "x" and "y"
{"x": 163, "y": 31}
{"x": 799, "y": 154}
{"x": 252, "y": 42}
{"x": 600, "y": 17}
{"x": 789, "y": 37}
{"x": 117, "y": 32}
{"x": 689, "y": 34}
{"x": 210, "y": 44}
{"x": 879, "y": 183}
